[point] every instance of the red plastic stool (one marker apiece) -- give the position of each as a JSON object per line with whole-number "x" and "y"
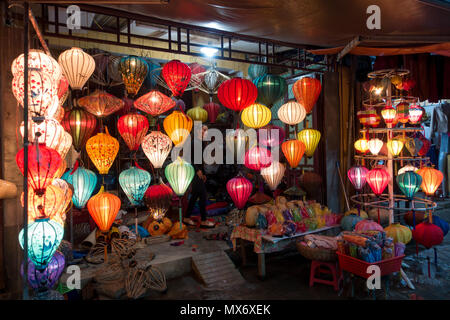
{"x": 319, "y": 268}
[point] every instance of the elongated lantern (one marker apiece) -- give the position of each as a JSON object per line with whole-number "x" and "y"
{"x": 293, "y": 150}
{"x": 271, "y": 136}
{"x": 256, "y": 70}
{"x": 310, "y": 138}
{"x": 154, "y": 103}
{"x": 43, "y": 162}
{"x": 134, "y": 70}
{"x": 101, "y": 104}
{"x": 177, "y": 126}
{"x": 198, "y": 114}
{"x": 237, "y": 93}
{"x": 156, "y": 146}
{"x": 431, "y": 179}
{"x": 239, "y": 189}
{"x": 409, "y": 183}
{"x": 84, "y": 182}
{"x": 158, "y": 198}
{"x": 179, "y": 174}
{"x": 273, "y": 174}
{"x": 357, "y": 176}
{"x": 362, "y": 145}
{"x": 47, "y": 205}
{"x": 213, "y": 111}
{"x": 415, "y": 114}
{"x": 46, "y": 278}
{"x": 77, "y": 67}
{"x": 103, "y": 208}
{"x": 375, "y": 146}
{"x": 306, "y": 92}
{"x": 270, "y": 88}
{"x": 37, "y": 59}
{"x": 102, "y": 149}
{"x": 395, "y": 146}
{"x": 292, "y": 113}
{"x": 256, "y": 116}
{"x": 134, "y": 182}
{"x": 177, "y": 76}
{"x": 80, "y": 124}
{"x": 377, "y": 179}
{"x": 44, "y": 237}
{"x": 133, "y": 127}
{"x": 257, "y": 158}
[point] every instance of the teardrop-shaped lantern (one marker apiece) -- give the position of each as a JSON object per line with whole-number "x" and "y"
{"x": 273, "y": 174}
{"x": 47, "y": 205}
{"x": 362, "y": 145}
{"x": 177, "y": 76}
{"x": 101, "y": 104}
{"x": 357, "y": 176}
{"x": 102, "y": 149}
{"x": 80, "y": 124}
{"x": 198, "y": 114}
{"x": 103, "y": 208}
{"x": 133, "y": 127}
{"x": 389, "y": 114}
{"x": 158, "y": 198}
{"x": 431, "y": 179}
{"x": 46, "y": 278}
{"x": 415, "y": 114}
{"x": 237, "y": 93}
{"x": 310, "y": 138}
{"x": 270, "y": 135}
{"x": 256, "y": 116}
{"x": 43, "y": 162}
{"x": 409, "y": 183}
{"x": 213, "y": 111}
{"x": 375, "y": 146}
{"x": 270, "y": 88}
{"x": 377, "y": 179}
{"x": 177, "y": 126}
{"x": 293, "y": 150}
{"x": 179, "y": 174}
{"x": 77, "y": 67}
{"x": 156, "y": 146}
{"x": 37, "y": 59}
{"x": 395, "y": 146}
{"x": 44, "y": 237}
{"x": 236, "y": 142}
{"x": 306, "y": 92}
{"x": 134, "y": 71}
{"x": 154, "y": 103}
{"x": 291, "y": 113}
{"x": 239, "y": 189}
{"x": 134, "y": 182}
{"x": 84, "y": 182}
{"x": 257, "y": 158}
{"x": 402, "y": 112}
{"x": 257, "y": 70}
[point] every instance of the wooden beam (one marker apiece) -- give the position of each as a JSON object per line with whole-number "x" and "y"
{"x": 352, "y": 44}
{"x": 96, "y": 1}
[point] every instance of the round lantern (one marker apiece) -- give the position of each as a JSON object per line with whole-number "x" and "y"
{"x": 378, "y": 179}
{"x": 349, "y": 222}
{"x": 367, "y": 117}
{"x": 409, "y": 183}
{"x": 428, "y": 234}
{"x": 154, "y": 103}
{"x": 310, "y": 139}
{"x": 134, "y": 70}
{"x": 37, "y": 59}
{"x": 375, "y": 146}
{"x": 177, "y": 126}
{"x": 177, "y": 76}
{"x": 44, "y": 237}
{"x": 293, "y": 150}
{"x": 426, "y": 144}
{"x": 237, "y": 94}
{"x": 362, "y": 145}
{"x": 158, "y": 199}
{"x": 291, "y": 113}
{"x": 256, "y": 116}
{"x": 102, "y": 149}
{"x": 389, "y": 114}
{"x": 179, "y": 174}
{"x": 273, "y": 174}
{"x": 256, "y": 70}
{"x": 43, "y": 163}
{"x": 239, "y": 189}
{"x": 368, "y": 225}
{"x": 46, "y": 278}
{"x": 103, "y": 208}
{"x": 48, "y": 132}
{"x": 271, "y": 136}
{"x": 431, "y": 179}
{"x": 84, "y": 182}
{"x": 402, "y": 112}
{"x": 257, "y": 158}
{"x": 133, "y": 127}
{"x": 77, "y": 67}
{"x": 80, "y": 124}
{"x": 47, "y": 205}
{"x": 270, "y": 88}
{"x": 213, "y": 110}
{"x": 156, "y": 146}
{"x": 357, "y": 176}
{"x": 415, "y": 114}
{"x": 101, "y": 103}
{"x": 134, "y": 182}
{"x": 236, "y": 142}
{"x": 374, "y": 121}
{"x": 198, "y": 114}
{"x": 441, "y": 224}
{"x": 407, "y": 168}
{"x": 306, "y": 92}
{"x": 395, "y": 146}
{"x": 198, "y": 74}
{"x": 399, "y": 233}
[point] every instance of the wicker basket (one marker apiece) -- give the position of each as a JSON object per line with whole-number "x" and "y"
{"x": 316, "y": 253}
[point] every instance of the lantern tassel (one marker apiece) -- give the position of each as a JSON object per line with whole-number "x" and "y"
{"x": 378, "y": 211}
{"x": 75, "y": 167}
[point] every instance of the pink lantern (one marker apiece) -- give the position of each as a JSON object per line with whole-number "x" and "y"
{"x": 270, "y": 135}
{"x": 239, "y": 189}
{"x": 357, "y": 176}
{"x": 368, "y": 225}
{"x": 378, "y": 179}
{"x": 213, "y": 110}
{"x": 257, "y": 158}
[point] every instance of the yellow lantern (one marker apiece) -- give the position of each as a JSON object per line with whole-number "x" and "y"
{"x": 177, "y": 126}
{"x": 77, "y": 66}
{"x": 395, "y": 146}
{"x": 48, "y": 205}
{"x": 310, "y": 138}
{"x": 198, "y": 114}
{"x": 362, "y": 145}
{"x": 68, "y": 193}
{"x": 102, "y": 150}
{"x": 256, "y": 116}
{"x": 375, "y": 146}
{"x": 399, "y": 233}
{"x": 292, "y": 113}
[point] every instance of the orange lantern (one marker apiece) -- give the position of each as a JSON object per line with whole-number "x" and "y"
{"x": 48, "y": 205}
{"x": 68, "y": 193}
{"x": 293, "y": 150}
{"x": 101, "y": 103}
{"x": 103, "y": 208}
{"x": 62, "y": 168}
{"x": 102, "y": 150}
{"x": 431, "y": 179}
{"x": 154, "y": 103}
{"x": 306, "y": 92}
{"x": 177, "y": 126}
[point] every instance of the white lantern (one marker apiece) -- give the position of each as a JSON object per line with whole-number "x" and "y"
{"x": 273, "y": 174}
{"x": 408, "y": 167}
{"x": 77, "y": 65}
{"x": 375, "y": 146}
{"x": 236, "y": 143}
{"x": 37, "y": 59}
{"x": 292, "y": 113}
{"x": 156, "y": 146}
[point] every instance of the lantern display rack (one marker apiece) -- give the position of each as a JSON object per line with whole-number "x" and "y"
{"x": 380, "y": 101}
{"x": 398, "y": 158}
{"x": 387, "y": 73}
{"x": 371, "y": 200}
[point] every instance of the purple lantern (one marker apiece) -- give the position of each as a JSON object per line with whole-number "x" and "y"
{"x": 180, "y": 104}
{"x": 47, "y": 278}
{"x": 357, "y": 176}
{"x": 270, "y": 135}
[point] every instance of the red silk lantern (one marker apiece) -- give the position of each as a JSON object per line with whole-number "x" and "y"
{"x": 270, "y": 135}
{"x": 426, "y": 144}
{"x": 357, "y": 176}
{"x": 239, "y": 189}
{"x": 415, "y": 114}
{"x": 306, "y": 92}
{"x": 133, "y": 127}
{"x": 158, "y": 198}
{"x": 43, "y": 162}
{"x": 293, "y": 150}
{"x": 80, "y": 124}
{"x": 431, "y": 179}
{"x": 177, "y": 76}
{"x": 257, "y": 158}
{"x": 378, "y": 179}
{"x": 213, "y": 110}
{"x": 237, "y": 93}
{"x": 428, "y": 234}
{"x": 154, "y": 103}
{"x": 103, "y": 208}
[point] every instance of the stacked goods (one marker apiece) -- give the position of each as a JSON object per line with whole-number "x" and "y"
{"x": 318, "y": 247}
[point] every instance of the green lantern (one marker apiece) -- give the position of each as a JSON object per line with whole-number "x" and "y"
{"x": 409, "y": 183}
{"x": 179, "y": 174}
{"x": 270, "y": 88}
{"x": 256, "y": 70}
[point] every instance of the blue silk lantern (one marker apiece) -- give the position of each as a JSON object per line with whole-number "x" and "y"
{"x": 256, "y": 70}
{"x": 441, "y": 224}
{"x": 47, "y": 278}
{"x": 44, "y": 237}
{"x": 134, "y": 182}
{"x": 83, "y": 182}
{"x": 154, "y": 71}
{"x": 409, "y": 183}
